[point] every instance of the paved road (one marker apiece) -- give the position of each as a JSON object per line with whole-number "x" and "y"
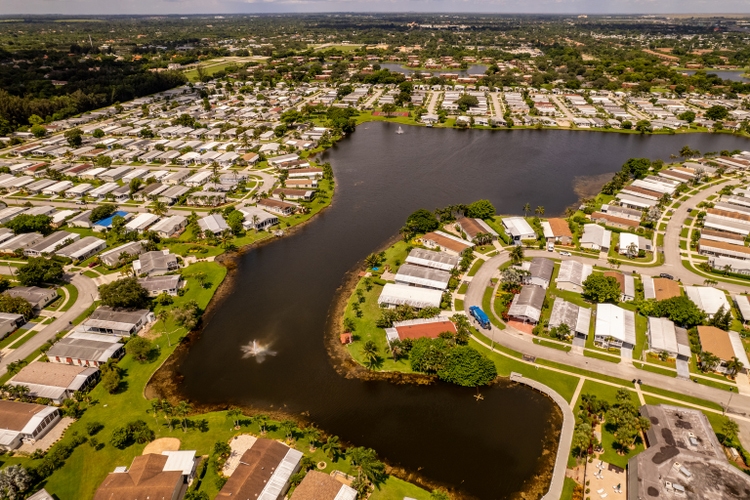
{"x": 432, "y": 106}
{"x": 521, "y": 342}
{"x": 371, "y": 101}
{"x": 497, "y": 104}
{"x": 563, "y": 107}
{"x": 87, "y": 292}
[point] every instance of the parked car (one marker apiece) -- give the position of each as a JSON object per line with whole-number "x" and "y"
{"x": 550, "y": 247}
{"x": 565, "y": 254}
{"x": 666, "y": 275}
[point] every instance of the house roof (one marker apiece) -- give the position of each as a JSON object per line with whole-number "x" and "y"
{"x": 49, "y": 374}
{"x": 423, "y": 276}
{"x": 418, "y": 328}
{"x": 90, "y": 350}
{"x": 447, "y": 241}
{"x": 574, "y": 272}
{"x": 560, "y": 227}
{"x": 541, "y": 268}
{"x": 430, "y": 258}
{"x": 615, "y": 322}
{"x": 319, "y": 486}
{"x": 14, "y": 415}
{"x": 146, "y": 479}
{"x": 665, "y": 288}
{"x": 708, "y": 299}
{"x": 410, "y": 295}
{"x": 663, "y": 337}
{"x": 716, "y": 341}
{"x": 528, "y": 303}
{"x": 255, "y": 471}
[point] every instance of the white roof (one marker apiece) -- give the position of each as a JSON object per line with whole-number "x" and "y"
{"x": 280, "y": 477}
{"x": 423, "y": 276}
{"x": 627, "y": 239}
{"x": 596, "y": 234}
{"x": 214, "y": 223}
{"x": 141, "y": 222}
{"x": 739, "y": 348}
{"x": 547, "y": 229}
{"x": 394, "y": 294}
{"x": 707, "y": 298}
{"x": 743, "y": 305}
{"x": 649, "y": 291}
{"x": 169, "y": 223}
{"x": 663, "y": 337}
{"x": 615, "y": 322}
{"x": 430, "y": 258}
{"x": 517, "y": 226}
{"x": 574, "y": 272}
{"x": 183, "y": 461}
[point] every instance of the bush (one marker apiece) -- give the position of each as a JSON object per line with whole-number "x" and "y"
{"x": 126, "y": 293}
{"x": 467, "y": 367}
{"x": 140, "y": 348}
{"x": 136, "y": 431}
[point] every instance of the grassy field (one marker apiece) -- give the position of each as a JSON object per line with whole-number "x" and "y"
{"x": 72, "y": 292}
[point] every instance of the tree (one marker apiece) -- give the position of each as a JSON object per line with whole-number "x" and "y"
{"x": 599, "y": 288}
{"x": 421, "y": 221}
{"x": 643, "y": 126}
{"x": 717, "y": 112}
{"x": 98, "y": 133}
{"x": 526, "y": 209}
{"x": 365, "y": 460}
{"x": 709, "y": 361}
{"x": 467, "y": 367}
{"x": 729, "y": 432}
{"x": 467, "y": 101}
{"x": 111, "y": 380}
{"x": 481, "y": 209}
{"x": 636, "y": 168}
{"x": 14, "y": 481}
{"x": 136, "y": 431}
{"x": 583, "y": 439}
{"x": 126, "y": 293}
{"x": 16, "y": 305}
{"x": 289, "y": 427}
{"x": 234, "y": 415}
{"x": 439, "y": 495}
{"x": 370, "y": 353}
{"x": 679, "y": 309}
{"x": 182, "y": 410}
{"x": 38, "y": 131}
{"x": 235, "y": 220}
{"x": 102, "y": 212}
{"x": 734, "y": 366}
{"x": 516, "y": 254}
{"x": 140, "y": 348}
{"x": 688, "y": 116}
{"x": 74, "y": 137}
{"x": 159, "y": 208}
{"x": 332, "y": 447}
{"x": 30, "y": 224}
{"x": 103, "y": 161}
{"x": 262, "y": 422}
{"x": 388, "y": 109}
{"x": 39, "y": 270}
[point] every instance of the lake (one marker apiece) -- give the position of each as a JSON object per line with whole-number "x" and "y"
{"x": 735, "y": 76}
{"x": 475, "y": 69}
{"x": 282, "y": 293}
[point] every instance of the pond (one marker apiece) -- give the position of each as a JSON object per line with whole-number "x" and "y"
{"x": 282, "y": 293}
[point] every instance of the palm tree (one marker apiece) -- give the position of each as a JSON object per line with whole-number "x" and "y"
{"x": 332, "y": 447}
{"x": 516, "y": 254}
{"x": 159, "y": 208}
{"x": 288, "y": 426}
{"x": 539, "y": 210}
{"x": 255, "y": 219}
{"x": 226, "y": 237}
{"x": 370, "y": 352}
{"x": 313, "y": 434}
{"x": 168, "y": 411}
{"x": 262, "y": 422}
{"x": 526, "y": 209}
{"x": 234, "y": 415}
{"x": 155, "y": 409}
{"x": 182, "y": 410}
{"x": 734, "y": 365}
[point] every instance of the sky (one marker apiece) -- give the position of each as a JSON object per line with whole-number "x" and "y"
{"x": 83, "y": 7}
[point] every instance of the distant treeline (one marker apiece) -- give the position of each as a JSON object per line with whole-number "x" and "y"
{"x": 26, "y": 85}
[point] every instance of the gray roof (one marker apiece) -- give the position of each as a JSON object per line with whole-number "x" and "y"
{"x": 541, "y": 268}
{"x": 157, "y": 261}
{"x": 83, "y": 349}
{"x": 528, "y": 303}
{"x": 159, "y": 283}
{"x": 423, "y": 276}
{"x": 112, "y": 256}
{"x": 430, "y": 258}
{"x": 683, "y": 451}
{"x": 574, "y": 272}
{"x": 74, "y": 250}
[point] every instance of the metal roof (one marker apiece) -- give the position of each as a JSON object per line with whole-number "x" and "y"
{"x": 430, "y": 258}
{"x": 394, "y": 294}
{"x": 574, "y": 272}
{"x": 615, "y": 322}
{"x": 707, "y": 298}
{"x": 423, "y": 276}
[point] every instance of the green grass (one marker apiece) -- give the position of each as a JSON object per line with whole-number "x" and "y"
{"x": 22, "y": 340}
{"x": 600, "y": 355}
{"x": 463, "y": 289}
{"x": 91, "y": 274}
{"x": 553, "y": 345}
{"x": 459, "y": 305}
{"x": 487, "y": 307}
{"x": 681, "y": 397}
{"x": 72, "y": 292}
{"x": 12, "y": 337}
{"x": 655, "y": 369}
{"x": 568, "y": 488}
{"x": 366, "y": 329}
{"x": 565, "y": 385}
{"x": 397, "y": 489}
{"x": 475, "y": 268}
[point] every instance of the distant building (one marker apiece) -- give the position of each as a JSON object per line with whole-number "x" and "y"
{"x": 434, "y": 260}
{"x": 409, "y": 274}
{"x": 441, "y": 241}
{"x": 577, "y": 318}
{"x": 724, "y": 345}
{"x": 708, "y": 299}
{"x": 664, "y": 336}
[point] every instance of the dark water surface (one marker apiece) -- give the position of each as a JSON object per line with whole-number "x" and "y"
{"x": 474, "y": 69}
{"x": 734, "y": 75}
{"x": 283, "y": 291}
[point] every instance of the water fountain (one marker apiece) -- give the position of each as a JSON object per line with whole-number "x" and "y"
{"x": 256, "y": 350}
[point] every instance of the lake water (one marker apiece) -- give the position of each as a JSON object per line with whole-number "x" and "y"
{"x": 283, "y": 290}
{"x": 475, "y": 69}
{"x": 735, "y": 76}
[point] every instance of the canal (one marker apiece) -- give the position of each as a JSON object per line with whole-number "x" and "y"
{"x": 282, "y": 293}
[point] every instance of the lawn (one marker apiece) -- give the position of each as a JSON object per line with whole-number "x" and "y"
{"x": 553, "y": 345}
{"x": 565, "y": 385}
{"x": 72, "y": 292}
{"x": 655, "y": 369}
{"x": 365, "y": 329}
{"x": 22, "y": 340}
{"x": 397, "y": 489}
{"x": 475, "y": 268}
{"x": 12, "y": 337}
{"x": 600, "y": 355}
{"x": 608, "y": 393}
{"x": 681, "y": 397}
{"x": 487, "y": 307}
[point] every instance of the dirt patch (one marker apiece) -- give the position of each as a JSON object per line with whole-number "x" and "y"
{"x": 395, "y": 113}
{"x": 162, "y": 444}
{"x": 588, "y": 186}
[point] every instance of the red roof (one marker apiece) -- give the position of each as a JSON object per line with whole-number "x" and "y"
{"x": 431, "y": 330}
